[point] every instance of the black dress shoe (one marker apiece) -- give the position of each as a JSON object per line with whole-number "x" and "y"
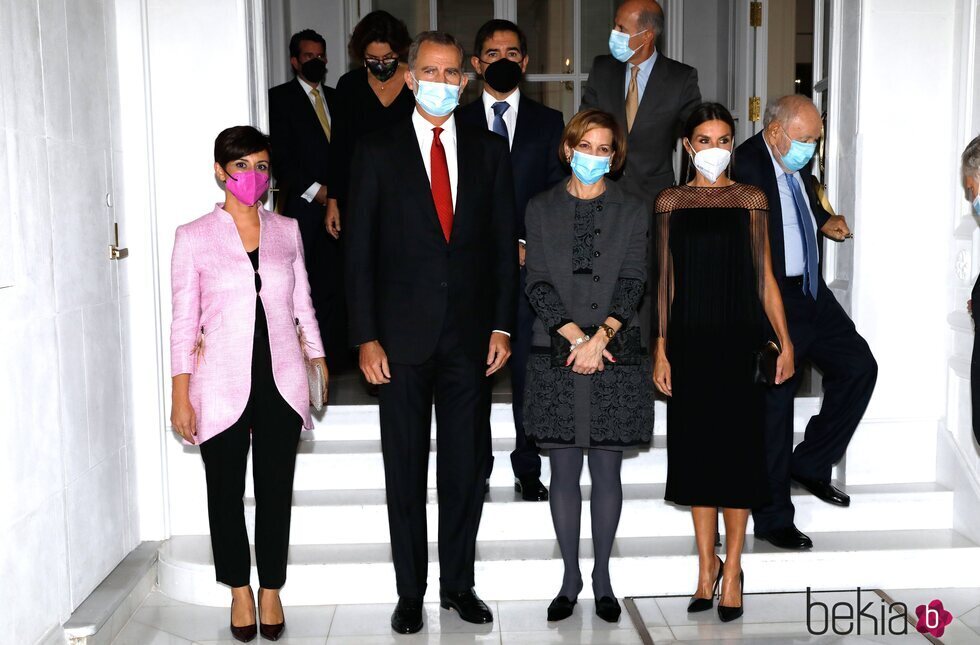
{"x": 825, "y": 491}
{"x": 407, "y": 617}
{"x": 607, "y": 608}
{"x": 704, "y": 604}
{"x": 531, "y": 489}
{"x": 788, "y": 537}
{"x": 728, "y": 614}
{"x": 560, "y": 608}
{"x": 468, "y": 605}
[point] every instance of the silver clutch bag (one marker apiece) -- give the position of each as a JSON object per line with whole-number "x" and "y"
{"x": 315, "y": 377}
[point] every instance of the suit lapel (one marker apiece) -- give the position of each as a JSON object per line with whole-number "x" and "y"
{"x": 656, "y": 88}
{"x": 619, "y": 86}
{"x": 523, "y": 125}
{"x": 302, "y": 96}
{"x": 465, "y": 154}
{"x": 415, "y": 179}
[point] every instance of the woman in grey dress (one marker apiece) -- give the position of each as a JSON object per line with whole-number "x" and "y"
{"x": 589, "y": 380}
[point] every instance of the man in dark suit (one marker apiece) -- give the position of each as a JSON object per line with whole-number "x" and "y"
{"x": 299, "y": 128}
{"x": 431, "y": 272}
{"x": 651, "y": 97}
{"x": 777, "y": 161}
{"x": 533, "y": 133}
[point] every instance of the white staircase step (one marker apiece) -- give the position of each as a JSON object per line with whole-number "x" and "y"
{"x": 532, "y": 569}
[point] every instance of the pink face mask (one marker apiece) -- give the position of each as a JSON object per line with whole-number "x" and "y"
{"x": 248, "y": 186}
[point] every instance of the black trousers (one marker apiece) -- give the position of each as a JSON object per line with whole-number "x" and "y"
{"x": 823, "y": 333}
{"x": 457, "y": 383}
{"x": 526, "y": 458}
{"x": 274, "y": 436}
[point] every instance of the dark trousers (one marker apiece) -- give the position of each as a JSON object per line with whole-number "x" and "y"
{"x": 458, "y": 385}
{"x": 526, "y": 458}
{"x": 274, "y": 436}
{"x": 822, "y": 332}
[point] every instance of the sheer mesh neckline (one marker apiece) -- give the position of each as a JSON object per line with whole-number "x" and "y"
{"x": 735, "y": 195}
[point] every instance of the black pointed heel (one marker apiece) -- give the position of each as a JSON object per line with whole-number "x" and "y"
{"x": 608, "y": 609}
{"x": 247, "y": 633}
{"x": 271, "y": 632}
{"x": 704, "y": 604}
{"x": 728, "y": 614}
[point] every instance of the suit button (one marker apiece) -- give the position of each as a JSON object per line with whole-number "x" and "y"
{"x": 595, "y": 278}
{"x": 598, "y": 207}
{"x": 595, "y": 306}
{"x": 443, "y": 285}
{"x": 597, "y": 254}
{"x": 598, "y": 231}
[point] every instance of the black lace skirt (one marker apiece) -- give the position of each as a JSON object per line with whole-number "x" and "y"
{"x": 612, "y": 409}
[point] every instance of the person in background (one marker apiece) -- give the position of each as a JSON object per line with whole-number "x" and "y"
{"x": 776, "y": 160}
{"x": 301, "y": 129}
{"x": 533, "y": 132}
{"x": 243, "y": 328}
{"x": 588, "y": 378}
{"x": 970, "y": 175}
{"x": 651, "y": 96}
{"x": 715, "y": 293}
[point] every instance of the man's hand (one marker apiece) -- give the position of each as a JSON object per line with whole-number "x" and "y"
{"x": 499, "y": 352}
{"x": 374, "y": 363}
{"x": 836, "y": 228}
{"x": 332, "y": 220}
{"x": 521, "y": 253}
{"x": 321, "y": 196}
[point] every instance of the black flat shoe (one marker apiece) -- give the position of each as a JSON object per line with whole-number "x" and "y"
{"x": 468, "y": 605}
{"x": 607, "y": 608}
{"x": 271, "y": 632}
{"x": 243, "y": 634}
{"x": 704, "y": 604}
{"x": 531, "y": 489}
{"x": 560, "y": 608}
{"x": 728, "y": 614}
{"x": 788, "y": 537}
{"x": 407, "y": 617}
{"x": 824, "y": 491}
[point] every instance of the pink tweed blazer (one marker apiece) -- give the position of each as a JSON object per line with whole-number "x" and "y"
{"x": 214, "y": 315}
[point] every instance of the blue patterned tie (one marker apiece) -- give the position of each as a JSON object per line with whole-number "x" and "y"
{"x": 810, "y": 277}
{"x": 498, "y": 119}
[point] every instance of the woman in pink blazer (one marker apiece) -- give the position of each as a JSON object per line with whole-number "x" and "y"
{"x": 242, "y": 322}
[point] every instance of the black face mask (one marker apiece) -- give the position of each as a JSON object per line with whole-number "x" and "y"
{"x": 503, "y": 75}
{"x": 314, "y": 70}
{"x": 382, "y": 69}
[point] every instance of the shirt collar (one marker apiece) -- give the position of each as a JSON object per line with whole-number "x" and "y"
{"x": 424, "y": 129}
{"x": 307, "y": 88}
{"x": 647, "y": 65}
{"x": 513, "y": 100}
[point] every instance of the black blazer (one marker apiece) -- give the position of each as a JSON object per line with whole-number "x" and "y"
{"x": 402, "y": 277}
{"x": 751, "y": 164}
{"x": 300, "y": 150}
{"x": 670, "y": 95}
{"x": 534, "y": 154}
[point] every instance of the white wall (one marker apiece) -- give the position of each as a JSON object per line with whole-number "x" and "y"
{"x": 66, "y": 470}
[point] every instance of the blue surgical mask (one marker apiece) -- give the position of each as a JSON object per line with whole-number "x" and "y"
{"x": 619, "y": 45}
{"x": 798, "y": 155}
{"x": 976, "y": 205}
{"x": 589, "y": 168}
{"x": 437, "y": 99}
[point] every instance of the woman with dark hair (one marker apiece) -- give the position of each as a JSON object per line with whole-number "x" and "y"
{"x": 716, "y": 289}
{"x": 242, "y": 336}
{"x": 588, "y": 378}
{"x": 368, "y": 99}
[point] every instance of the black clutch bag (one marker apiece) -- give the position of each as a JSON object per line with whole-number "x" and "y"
{"x": 626, "y": 347}
{"x": 765, "y": 364}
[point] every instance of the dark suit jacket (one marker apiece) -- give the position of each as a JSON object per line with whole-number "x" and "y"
{"x": 403, "y": 279}
{"x": 300, "y": 150}
{"x": 751, "y": 164}
{"x": 670, "y": 95}
{"x": 534, "y": 154}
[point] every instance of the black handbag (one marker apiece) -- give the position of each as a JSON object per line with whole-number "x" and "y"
{"x": 765, "y": 364}
{"x": 626, "y": 347}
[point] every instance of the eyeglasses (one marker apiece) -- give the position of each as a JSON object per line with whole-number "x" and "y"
{"x": 371, "y": 60}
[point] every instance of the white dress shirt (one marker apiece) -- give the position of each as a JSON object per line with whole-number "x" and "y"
{"x": 509, "y": 117}
{"x": 793, "y": 242}
{"x": 646, "y": 67}
{"x": 314, "y": 188}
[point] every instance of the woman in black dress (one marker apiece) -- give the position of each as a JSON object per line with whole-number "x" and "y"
{"x": 588, "y": 378}
{"x": 716, "y": 289}
{"x": 368, "y": 99}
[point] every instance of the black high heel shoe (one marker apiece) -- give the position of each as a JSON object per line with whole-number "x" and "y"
{"x": 728, "y": 614}
{"x": 704, "y": 604}
{"x": 271, "y": 632}
{"x": 244, "y": 634}
{"x": 608, "y": 609}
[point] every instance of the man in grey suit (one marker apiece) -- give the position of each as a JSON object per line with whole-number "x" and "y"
{"x": 651, "y": 96}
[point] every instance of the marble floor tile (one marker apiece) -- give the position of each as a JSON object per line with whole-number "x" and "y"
{"x": 135, "y": 633}
{"x": 761, "y": 608}
{"x": 532, "y": 615}
{"x": 375, "y": 620}
{"x": 603, "y": 637}
{"x": 421, "y": 638}
{"x": 955, "y": 601}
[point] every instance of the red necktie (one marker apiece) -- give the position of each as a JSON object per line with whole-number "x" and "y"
{"x": 442, "y": 193}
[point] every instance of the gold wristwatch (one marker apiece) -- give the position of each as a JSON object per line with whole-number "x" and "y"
{"x": 610, "y": 332}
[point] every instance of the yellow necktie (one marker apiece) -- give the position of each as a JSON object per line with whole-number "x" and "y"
{"x": 632, "y": 98}
{"x": 321, "y": 113}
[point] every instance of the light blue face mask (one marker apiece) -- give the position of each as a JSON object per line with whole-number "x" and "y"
{"x": 589, "y": 169}
{"x": 798, "y": 155}
{"x": 437, "y": 99}
{"x": 619, "y": 45}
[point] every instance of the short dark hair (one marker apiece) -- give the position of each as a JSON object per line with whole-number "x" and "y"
{"x": 237, "y": 142}
{"x": 379, "y": 27}
{"x": 306, "y": 34}
{"x": 707, "y": 112}
{"x": 590, "y": 119}
{"x": 436, "y": 38}
{"x": 491, "y": 27}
